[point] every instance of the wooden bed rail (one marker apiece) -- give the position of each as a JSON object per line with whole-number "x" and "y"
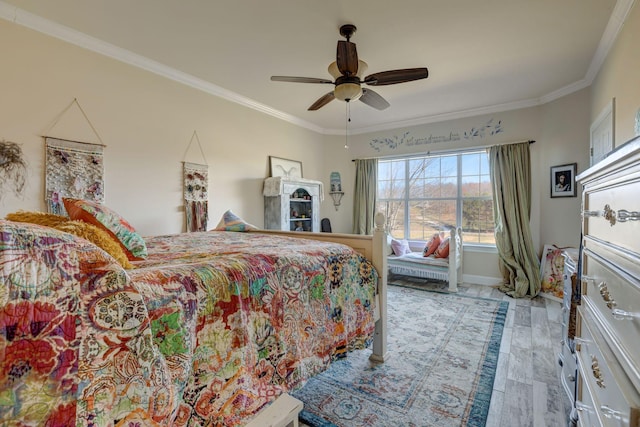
{"x": 374, "y": 248}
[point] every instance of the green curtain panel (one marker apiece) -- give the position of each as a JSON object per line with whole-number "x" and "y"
{"x": 511, "y": 179}
{"x": 364, "y": 199}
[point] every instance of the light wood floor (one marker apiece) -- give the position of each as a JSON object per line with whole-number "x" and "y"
{"x": 527, "y": 390}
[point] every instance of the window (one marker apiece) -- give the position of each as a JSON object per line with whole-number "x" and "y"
{"x": 422, "y": 195}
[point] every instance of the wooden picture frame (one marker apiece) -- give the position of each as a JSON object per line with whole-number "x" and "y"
{"x": 285, "y": 168}
{"x": 563, "y": 180}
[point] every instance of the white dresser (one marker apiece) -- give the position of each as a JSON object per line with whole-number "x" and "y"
{"x": 570, "y": 301}
{"x": 608, "y": 320}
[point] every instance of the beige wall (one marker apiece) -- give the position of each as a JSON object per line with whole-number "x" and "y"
{"x": 560, "y": 129}
{"x": 619, "y": 78}
{"x": 146, "y": 121}
{"x": 565, "y": 139}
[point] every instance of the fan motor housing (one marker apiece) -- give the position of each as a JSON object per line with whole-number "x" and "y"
{"x": 347, "y": 30}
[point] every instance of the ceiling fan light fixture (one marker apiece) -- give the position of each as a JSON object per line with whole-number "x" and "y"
{"x": 348, "y": 92}
{"x": 347, "y": 71}
{"x": 335, "y": 72}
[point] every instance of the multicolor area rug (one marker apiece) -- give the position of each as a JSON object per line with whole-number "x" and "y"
{"x": 443, "y": 352}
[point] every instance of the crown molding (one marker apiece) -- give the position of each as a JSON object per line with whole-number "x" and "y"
{"x": 64, "y": 33}
{"x": 423, "y": 120}
{"x": 616, "y": 21}
{"x": 21, "y": 17}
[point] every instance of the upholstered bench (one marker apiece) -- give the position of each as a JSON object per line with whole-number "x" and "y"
{"x": 416, "y": 265}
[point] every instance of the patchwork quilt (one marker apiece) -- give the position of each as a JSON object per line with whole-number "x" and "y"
{"x": 208, "y": 330}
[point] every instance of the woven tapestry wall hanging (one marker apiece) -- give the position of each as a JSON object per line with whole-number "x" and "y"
{"x": 73, "y": 169}
{"x": 196, "y": 195}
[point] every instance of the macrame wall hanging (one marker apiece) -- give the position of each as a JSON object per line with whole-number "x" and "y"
{"x": 73, "y": 169}
{"x": 13, "y": 168}
{"x": 196, "y": 194}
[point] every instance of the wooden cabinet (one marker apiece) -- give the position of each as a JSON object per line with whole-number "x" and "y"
{"x": 292, "y": 205}
{"x": 608, "y": 319}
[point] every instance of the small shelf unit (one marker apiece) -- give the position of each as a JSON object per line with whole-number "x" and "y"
{"x": 295, "y": 207}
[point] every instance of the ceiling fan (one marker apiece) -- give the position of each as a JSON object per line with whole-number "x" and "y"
{"x": 347, "y": 71}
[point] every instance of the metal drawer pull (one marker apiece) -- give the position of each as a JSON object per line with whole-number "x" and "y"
{"x": 624, "y": 315}
{"x": 606, "y": 296}
{"x": 611, "y": 413}
{"x": 582, "y": 407}
{"x": 624, "y": 215}
{"x": 595, "y": 369}
{"x": 608, "y": 214}
{"x": 586, "y": 279}
{"x": 579, "y": 340}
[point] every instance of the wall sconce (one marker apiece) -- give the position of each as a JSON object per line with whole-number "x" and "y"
{"x": 336, "y": 196}
{"x": 336, "y": 192}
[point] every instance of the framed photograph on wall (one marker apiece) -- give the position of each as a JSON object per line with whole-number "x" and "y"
{"x": 563, "y": 180}
{"x": 285, "y": 167}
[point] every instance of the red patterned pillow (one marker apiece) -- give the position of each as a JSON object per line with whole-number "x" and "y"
{"x": 117, "y": 227}
{"x": 443, "y": 249}
{"x": 432, "y": 245}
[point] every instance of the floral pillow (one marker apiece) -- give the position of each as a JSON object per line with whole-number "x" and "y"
{"x": 232, "y": 222}
{"x": 432, "y": 245}
{"x": 116, "y": 226}
{"x": 443, "y": 249}
{"x": 87, "y": 231}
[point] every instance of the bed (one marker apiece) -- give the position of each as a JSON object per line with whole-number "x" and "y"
{"x": 209, "y": 329}
{"x": 449, "y": 269}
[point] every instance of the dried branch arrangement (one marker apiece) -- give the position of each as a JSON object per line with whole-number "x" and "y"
{"x": 13, "y": 168}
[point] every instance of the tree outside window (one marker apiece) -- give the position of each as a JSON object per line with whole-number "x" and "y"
{"x": 420, "y": 196}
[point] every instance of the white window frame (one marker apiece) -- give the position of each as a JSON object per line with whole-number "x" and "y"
{"x": 458, "y": 199}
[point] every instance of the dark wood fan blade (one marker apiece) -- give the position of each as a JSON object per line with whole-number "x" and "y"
{"x": 396, "y": 76}
{"x": 374, "y": 100}
{"x": 324, "y": 100}
{"x": 299, "y": 79}
{"x": 347, "y": 58}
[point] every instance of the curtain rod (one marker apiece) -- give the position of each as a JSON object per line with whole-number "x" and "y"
{"x": 479, "y": 147}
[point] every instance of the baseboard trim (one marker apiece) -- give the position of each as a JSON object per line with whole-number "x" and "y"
{"x": 481, "y": 280}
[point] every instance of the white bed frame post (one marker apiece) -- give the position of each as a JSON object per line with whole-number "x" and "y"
{"x": 379, "y": 259}
{"x": 455, "y": 257}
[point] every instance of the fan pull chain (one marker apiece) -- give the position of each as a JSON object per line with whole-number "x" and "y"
{"x": 346, "y": 125}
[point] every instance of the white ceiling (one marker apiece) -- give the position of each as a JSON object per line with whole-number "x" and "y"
{"x": 483, "y": 56}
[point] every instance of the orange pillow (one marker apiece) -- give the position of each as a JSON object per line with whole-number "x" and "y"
{"x": 443, "y": 249}
{"x": 432, "y": 245}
